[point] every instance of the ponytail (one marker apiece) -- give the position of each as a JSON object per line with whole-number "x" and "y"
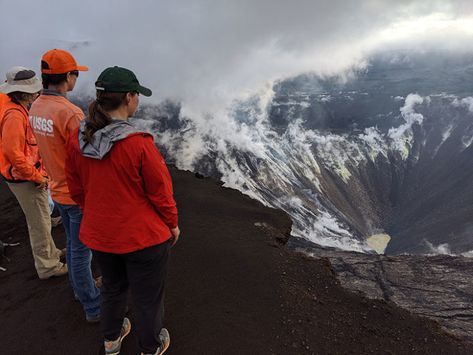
{"x": 99, "y": 109}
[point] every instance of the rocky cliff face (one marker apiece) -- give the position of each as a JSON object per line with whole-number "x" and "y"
{"x": 438, "y": 287}
{"x": 386, "y": 149}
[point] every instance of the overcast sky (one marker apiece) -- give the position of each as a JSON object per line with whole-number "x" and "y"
{"x": 208, "y": 51}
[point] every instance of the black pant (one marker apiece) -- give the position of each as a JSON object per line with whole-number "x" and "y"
{"x": 145, "y": 272}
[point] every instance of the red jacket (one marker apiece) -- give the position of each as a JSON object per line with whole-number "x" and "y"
{"x": 126, "y": 197}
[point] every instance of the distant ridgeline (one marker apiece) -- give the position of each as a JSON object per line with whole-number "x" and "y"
{"x": 385, "y": 151}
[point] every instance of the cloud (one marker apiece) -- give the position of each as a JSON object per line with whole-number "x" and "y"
{"x": 208, "y": 52}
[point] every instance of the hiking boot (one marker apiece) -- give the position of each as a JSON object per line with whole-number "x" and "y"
{"x": 112, "y": 347}
{"x": 59, "y": 272}
{"x": 165, "y": 340}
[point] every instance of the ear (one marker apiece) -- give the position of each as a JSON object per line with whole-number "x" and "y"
{"x": 69, "y": 78}
{"x": 128, "y": 97}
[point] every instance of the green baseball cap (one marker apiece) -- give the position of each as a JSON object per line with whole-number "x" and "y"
{"x": 117, "y": 79}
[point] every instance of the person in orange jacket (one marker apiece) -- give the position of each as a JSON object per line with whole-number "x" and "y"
{"x": 21, "y": 167}
{"x": 53, "y": 117}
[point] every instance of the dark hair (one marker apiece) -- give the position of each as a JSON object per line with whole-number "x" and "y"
{"x": 17, "y": 96}
{"x": 54, "y": 79}
{"x": 98, "y": 112}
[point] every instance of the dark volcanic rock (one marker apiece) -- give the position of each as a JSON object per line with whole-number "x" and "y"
{"x": 439, "y": 287}
{"x": 232, "y": 289}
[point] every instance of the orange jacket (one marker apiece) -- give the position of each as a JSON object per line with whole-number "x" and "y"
{"x": 19, "y": 155}
{"x": 53, "y": 117}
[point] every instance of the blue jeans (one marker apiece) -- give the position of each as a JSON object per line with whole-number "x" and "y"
{"x": 78, "y": 258}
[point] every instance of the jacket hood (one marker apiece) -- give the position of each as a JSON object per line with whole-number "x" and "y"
{"x": 105, "y": 138}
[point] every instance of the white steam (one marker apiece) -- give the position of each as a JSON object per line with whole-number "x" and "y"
{"x": 441, "y": 249}
{"x": 402, "y": 135}
{"x": 466, "y": 102}
{"x": 284, "y": 169}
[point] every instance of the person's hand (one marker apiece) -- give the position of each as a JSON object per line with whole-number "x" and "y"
{"x": 43, "y": 185}
{"x": 175, "y": 235}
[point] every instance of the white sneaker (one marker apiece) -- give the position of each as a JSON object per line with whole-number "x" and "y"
{"x": 112, "y": 347}
{"x": 165, "y": 339}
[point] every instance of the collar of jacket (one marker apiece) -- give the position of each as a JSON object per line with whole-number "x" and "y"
{"x": 51, "y": 92}
{"x": 105, "y": 138}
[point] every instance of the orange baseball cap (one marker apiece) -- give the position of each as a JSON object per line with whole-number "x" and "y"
{"x": 58, "y": 61}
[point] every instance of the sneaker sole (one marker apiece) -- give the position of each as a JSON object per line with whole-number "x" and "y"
{"x": 167, "y": 345}
{"x": 164, "y": 350}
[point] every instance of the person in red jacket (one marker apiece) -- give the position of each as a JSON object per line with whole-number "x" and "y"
{"x": 22, "y": 169}
{"x": 119, "y": 178}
